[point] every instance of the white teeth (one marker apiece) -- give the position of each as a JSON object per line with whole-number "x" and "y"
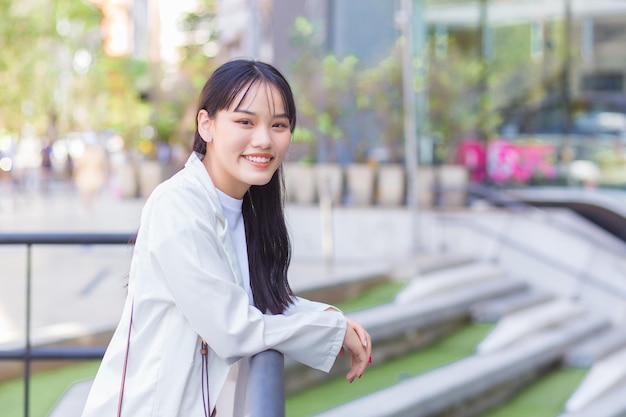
{"x": 258, "y": 159}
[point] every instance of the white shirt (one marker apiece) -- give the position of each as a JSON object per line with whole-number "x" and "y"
{"x": 234, "y": 220}
{"x": 231, "y": 397}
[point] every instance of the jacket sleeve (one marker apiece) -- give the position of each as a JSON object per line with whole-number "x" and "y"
{"x": 185, "y": 246}
{"x": 302, "y": 304}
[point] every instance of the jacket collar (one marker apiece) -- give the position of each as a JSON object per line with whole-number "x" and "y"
{"x": 198, "y": 170}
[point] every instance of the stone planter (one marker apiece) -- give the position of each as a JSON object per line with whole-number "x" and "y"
{"x": 329, "y": 182}
{"x": 360, "y": 184}
{"x": 425, "y": 187}
{"x": 150, "y": 175}
{"x": 124, "y": 180}
{"x": 454, "y": 180}
{"x": 299, "y": 183}
{"x": 391, "y": 185}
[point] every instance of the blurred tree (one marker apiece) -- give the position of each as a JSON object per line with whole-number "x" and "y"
{"x": 324, "y": 90}
{"x": 58, "y": 78}
{"x": 379, "y": 101}
{"x": 459, "y": 108}
{"x": 345, "y": 110}
{"x": 175, "y": 115}
{"x": 468, "y": 92}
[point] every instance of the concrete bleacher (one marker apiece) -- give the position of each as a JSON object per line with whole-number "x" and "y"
{"x": 544, "y": 330}
{"x": 611, "y": 404}
{"x": 425, "y": 285}
{"x": 605, "y": 375}
{"x": 518, "y": 325}
{"x": 399, "y": 328}
{"x": 591, "y": 351}
{"x": 462, "y": 384}
{"x": 493, "y": 310}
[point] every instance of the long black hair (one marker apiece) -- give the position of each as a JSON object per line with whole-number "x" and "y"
{"x": 269, "y": 248}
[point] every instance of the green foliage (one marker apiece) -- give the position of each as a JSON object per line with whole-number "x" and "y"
{"x": 51, "y": 57}
{"x": 334, "y": 94}
{"x": 324, "y": 86}
{"x": 302, "y": 134}
{"x": 466, "y": 95}
{"x": 379, "y": 92}
{"x": 56, "y": 77}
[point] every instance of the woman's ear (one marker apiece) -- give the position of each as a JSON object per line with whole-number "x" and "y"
{"x": 205, "y": 125}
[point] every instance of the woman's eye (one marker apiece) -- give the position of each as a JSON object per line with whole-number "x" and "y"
{"x": 245, "y": 122}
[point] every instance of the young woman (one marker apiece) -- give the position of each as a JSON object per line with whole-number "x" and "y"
{"x": 208, "y": 281}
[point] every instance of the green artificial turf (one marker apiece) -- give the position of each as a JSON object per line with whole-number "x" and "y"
{"x": 46, "y": 389}
{"x": 337, "y": 391}
{"x": 379, "y": 294}
{"x": 545, "y": 398}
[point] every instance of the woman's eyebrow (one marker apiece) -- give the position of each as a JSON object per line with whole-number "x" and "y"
{"x": 251, "y": 113}
{"x": 244, "y": 111}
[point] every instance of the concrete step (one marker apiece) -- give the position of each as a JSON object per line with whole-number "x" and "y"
{"x": 476, "y": 383}
{"x": 397, "y": 329}
{"x": 604, "y": 376}
{"x": 519, "y": 325}
{"x": 426, "y": 285}
{"x": 590, "y": 351}
{"x": 426, "y": 263}
{"x": 73, "y": 400}
{"x": 612, "y": 404}
{"x": 493, "y": 310}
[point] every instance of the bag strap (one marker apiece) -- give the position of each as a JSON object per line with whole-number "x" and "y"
{"x": 121, "y": 396}
{"x": 204, "y": 351}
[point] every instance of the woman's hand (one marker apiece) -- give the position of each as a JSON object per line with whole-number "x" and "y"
{"x": 359, "y": 344}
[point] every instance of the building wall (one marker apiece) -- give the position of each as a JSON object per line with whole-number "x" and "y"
{"x": 364, "y": 28}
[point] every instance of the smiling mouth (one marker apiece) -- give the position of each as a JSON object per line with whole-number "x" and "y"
{"x": 258, "y": 159}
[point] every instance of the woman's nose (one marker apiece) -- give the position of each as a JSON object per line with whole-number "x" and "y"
{"x": 262, "y": 138}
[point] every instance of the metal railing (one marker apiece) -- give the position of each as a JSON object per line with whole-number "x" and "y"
{"x": 266, "y": 381}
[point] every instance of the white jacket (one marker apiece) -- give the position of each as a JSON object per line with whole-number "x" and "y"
{"x": 185, "y": 285}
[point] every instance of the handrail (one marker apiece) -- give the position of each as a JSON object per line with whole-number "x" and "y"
{"x": 266, "y": 376}
{"x": 587, "y": 277}
{"x": 66, "y": 238}
{"x": 510, "y": 203}
{"x": 266, "y": 385}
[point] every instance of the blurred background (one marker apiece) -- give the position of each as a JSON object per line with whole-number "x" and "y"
{"x": 517, "y": 92}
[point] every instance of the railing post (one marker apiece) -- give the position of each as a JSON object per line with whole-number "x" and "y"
{"x": 27, "y": 358}
{"x": 265, "y": 395}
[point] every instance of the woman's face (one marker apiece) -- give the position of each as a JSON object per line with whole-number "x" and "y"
{"x": 247, "y": 143}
